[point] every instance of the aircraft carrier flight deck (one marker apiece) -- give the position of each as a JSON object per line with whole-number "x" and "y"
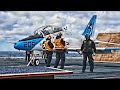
{"x": 102, "y": 70}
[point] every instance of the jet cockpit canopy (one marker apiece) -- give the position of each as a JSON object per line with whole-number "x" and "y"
{"x": 46, "y": 30}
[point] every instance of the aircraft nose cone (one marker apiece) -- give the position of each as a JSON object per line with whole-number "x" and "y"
{"x": 15, "y": 46}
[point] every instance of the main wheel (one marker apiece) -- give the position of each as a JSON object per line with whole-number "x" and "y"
{"x": 36, "y": 62}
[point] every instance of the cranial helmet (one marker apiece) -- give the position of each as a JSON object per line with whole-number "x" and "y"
{"x": 49, "y": 37}
{"x": 59, "y": 34}
{"x": 87, "y": 35}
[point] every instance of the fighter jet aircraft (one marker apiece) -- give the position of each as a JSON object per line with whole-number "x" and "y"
{"x": 35, "y": 42}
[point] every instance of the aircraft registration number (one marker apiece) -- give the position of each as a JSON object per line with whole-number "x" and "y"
{"x": 29, "y": 44}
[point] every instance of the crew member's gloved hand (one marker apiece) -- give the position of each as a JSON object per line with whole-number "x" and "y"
{"x": 66, "y": 50}
{"x": 80, "y": 52}
{"x": 94, "y": 54}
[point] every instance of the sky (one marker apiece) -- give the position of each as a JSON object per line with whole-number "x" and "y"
{"x": 16, "y": 25}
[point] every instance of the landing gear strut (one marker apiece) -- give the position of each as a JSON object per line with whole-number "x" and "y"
{"x": 33, "y": 61}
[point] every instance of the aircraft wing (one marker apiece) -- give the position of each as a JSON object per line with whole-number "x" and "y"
{"x": 106, "y": 50}
{"x": 99, "y": 50}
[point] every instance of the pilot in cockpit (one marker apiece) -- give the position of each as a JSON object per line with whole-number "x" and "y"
{"x": 46, "y": 32}
{"x": 38, "y": 35}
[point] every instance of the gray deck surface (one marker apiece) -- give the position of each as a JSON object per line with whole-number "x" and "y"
{"x": 102, "y": 70}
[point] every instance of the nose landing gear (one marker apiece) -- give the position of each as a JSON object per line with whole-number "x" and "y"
{"x": 33, "y": 61}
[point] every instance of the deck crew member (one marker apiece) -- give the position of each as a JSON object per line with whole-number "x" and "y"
{"x": 27, "y": 57}
{"x": 60, "y": 50}
{"x": 87, "y": 49}
{"x": 49, "y": 50}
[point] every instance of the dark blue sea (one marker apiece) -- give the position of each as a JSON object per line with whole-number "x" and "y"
{"x": 22, "y": 54}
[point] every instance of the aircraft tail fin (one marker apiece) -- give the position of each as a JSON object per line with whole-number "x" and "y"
{"x": 90, "y": 26}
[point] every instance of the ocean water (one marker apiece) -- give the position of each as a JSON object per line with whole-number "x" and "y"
{"x": 22, "y": 54}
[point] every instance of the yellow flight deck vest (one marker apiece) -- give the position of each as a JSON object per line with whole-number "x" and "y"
{"x": 58, "y": 44}
{"x": 47, "y": 47}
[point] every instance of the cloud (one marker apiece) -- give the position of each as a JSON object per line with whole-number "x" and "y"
{"x": 15, "y": 25}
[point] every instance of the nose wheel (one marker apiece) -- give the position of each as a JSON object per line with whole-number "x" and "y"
{"x": 36, "y": 62}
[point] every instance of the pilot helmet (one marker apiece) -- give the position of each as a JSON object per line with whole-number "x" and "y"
{"x": 87, "y": 35}
{"x": 59, "y": 34}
